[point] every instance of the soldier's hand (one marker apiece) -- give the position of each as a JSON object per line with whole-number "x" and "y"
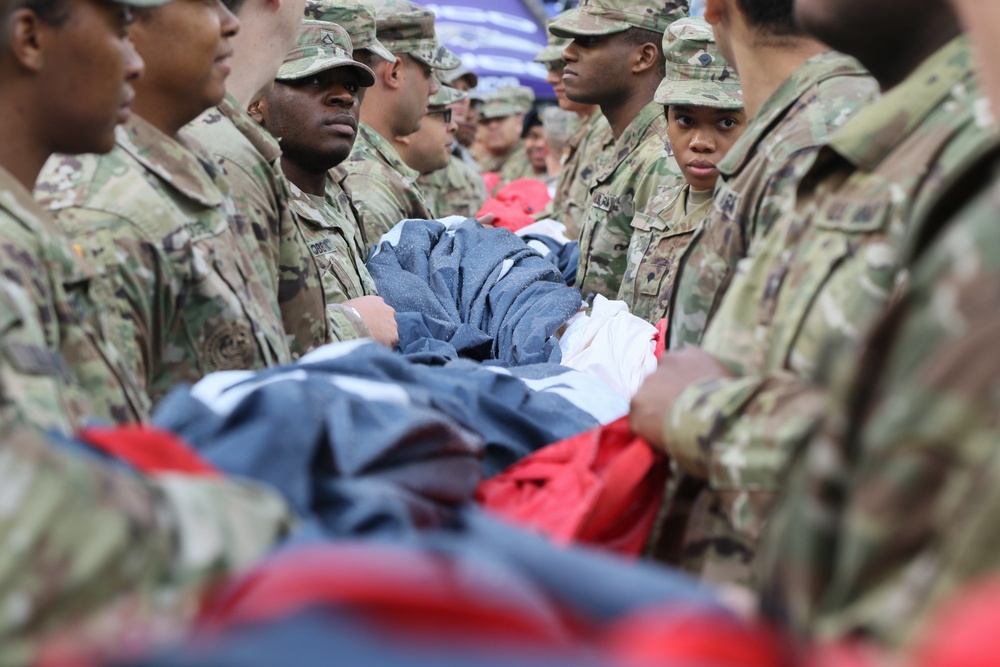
{"x": 487, "y": 220}
{"x": 656, "y": 397}
{"x": 379, "y": 317}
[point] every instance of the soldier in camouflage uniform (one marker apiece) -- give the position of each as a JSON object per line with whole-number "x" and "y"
{"x": 731, "y": 412}
{"x": 249, "y": 157}
{"x": 88, "y": 549}
{"x": 357, "y": 17}
{"x": 60, "y": 364}
{"x": 608, "y": 37}
{"x": 583, "y": 150}
{"x": 705, "y": 117}
{"x": 155, "y": 218}
{"x": 382, "y": 187}
{"x": 313, "y": 108}
{"x": 458, "y": 189}
{"x": 888, "y": 511}
{"x": 814, "y": 92}
{"x": 501, "y": 117}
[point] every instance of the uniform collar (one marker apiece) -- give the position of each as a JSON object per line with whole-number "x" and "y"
{"x": 817, "y": 69}
{"x": 18, "y": 202}
{"x": 876, "y": 130}
{"x": 172, "y": 161}
{"x": 262, "y": 140}
{"x": 385, "y": 150}
{"x": 629, "y": 141}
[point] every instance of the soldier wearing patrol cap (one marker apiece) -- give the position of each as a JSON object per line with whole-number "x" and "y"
{"x": 87, "y": 547}
{"x": 705, "y": 117}
{"x": 457, "y": 188}
{"x": 465, "y": 112}
{"x": 498, "y": 138}
{"x": 382, "y": 187}
{"x": 249, "y": 156}
{"x": 155, "y": 217}
{"x": 313, "y": 109}
{"x": 583, "y": 149}
{"x": 429, "y": 148}
{"x": 616, "y": 61}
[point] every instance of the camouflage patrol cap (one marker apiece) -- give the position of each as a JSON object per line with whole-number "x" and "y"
{"x": 607, "y": 17}
{"x": 449, "y": 77}
{"x": 356, "y": 17}
{"x": 445, "y": 96}
{"x": 553, "y": 51}
{"x": 406, "y": 27}
{"x": 697, "y": 74}
{"x": 322, "y": 46}
{"x": 507, "y": 101}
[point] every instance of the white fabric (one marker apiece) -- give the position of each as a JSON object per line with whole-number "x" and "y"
{"x": 611, "y": 344}
{"x": 547, "y": 227}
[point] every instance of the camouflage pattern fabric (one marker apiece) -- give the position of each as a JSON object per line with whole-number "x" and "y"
{"x": 103, "y": 552}
{"x": 331, "y": 230}
{"x": 629, "y": 173}
{"x": 517, "y": 166}
{"x": 457, "y": 189}
{"x": 889, "y": 510}
{"x": 406, "y": 27}
{"x": 661, "y": 234}
{"x": 495, "y": 163}
{"x": 250, "y": 158}
{"x": 815, "y": 279}
{"x": 697, "y": 74}
{"x": 321, "y": 46}
{"x": 607, "y": 17}
{"x": 507, "y": 101}
{"x": 381, "y": 186}
{"x": 569, "y": 204}
{"x": 357, "y": 17}
{"x": 58, "y": 367}
{"x": 154, "y": 216}
{"x": 758, "y": 179}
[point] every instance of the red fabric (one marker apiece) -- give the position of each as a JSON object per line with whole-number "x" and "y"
{"x": 673, "y": 637}
{"x": 516, "y": 203}
{"x": 147, "y": 449}
{"x": 602, "y": 487}
{"x": 491, "y": 180}
{"x": 964, "y": 633}
{"x": 408, "y": 592}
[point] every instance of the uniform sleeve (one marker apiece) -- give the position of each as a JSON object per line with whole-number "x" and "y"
{"x": 382, "y": 202}
{"x": 346, "y": 323}
{"x": 738, "y": 433}
{"x": 83, "y": 537}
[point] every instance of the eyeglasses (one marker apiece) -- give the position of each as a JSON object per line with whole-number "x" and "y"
{"x": 445, "y": 114}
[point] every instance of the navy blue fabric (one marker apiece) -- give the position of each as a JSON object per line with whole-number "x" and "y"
{"x": 566, "y": 256}
{"x": 374, "y": 414}
{"x": 450, "y": 285}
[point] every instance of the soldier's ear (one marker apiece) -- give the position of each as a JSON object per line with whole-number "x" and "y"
{"x": 714, "y": 11}
{"x": 392, "y": 74}
{"x": 259, "y": 111}
{"x": 27, "y": 37}
{"x": 646, "y": 57}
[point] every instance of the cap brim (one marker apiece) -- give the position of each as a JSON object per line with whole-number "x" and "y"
{"x": 583, "y": 24}
{"x": 379, "y": 50}
{"x": 366, "y": 78}
{"x": 439, "y": 58}
{"x": 549, "y": 54}
{"x": 698, "y": 94}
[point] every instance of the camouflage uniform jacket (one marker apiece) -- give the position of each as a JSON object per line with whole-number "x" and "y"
{"x": 629, "y": 173}
{"x": 660, "y": 237}
{"x": 758, "y": 177}
{"x": 458, "y": 189}
{"x": 103, "y": 553}
{"x": 891, "y": 507}
{"x": 494, "y": 163}
{"x": 586, "y": 146}
{"x": 837, "y": 256}
{"x": 330, "y": 228}
{"x": 57, "y": 369}
{"x": 382, "y": 187}
{"x": 517, "y": 166}
{"x": 251, "y": 161}
{"x": 155, "y": 218}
